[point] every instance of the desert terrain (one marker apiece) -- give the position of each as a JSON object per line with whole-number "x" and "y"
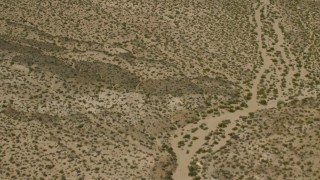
{"x": 157, "y": 90}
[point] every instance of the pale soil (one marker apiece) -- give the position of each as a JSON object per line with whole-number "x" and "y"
{"x": 99, "y": 88}
{"x": 186, "y": 154}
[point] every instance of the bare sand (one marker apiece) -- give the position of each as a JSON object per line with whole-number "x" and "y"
{"x": 184, "y": 158}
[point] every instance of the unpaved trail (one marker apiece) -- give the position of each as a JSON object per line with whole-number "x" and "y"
{"x": 184, "y": 158}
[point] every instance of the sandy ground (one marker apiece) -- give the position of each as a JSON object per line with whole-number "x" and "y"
{"x": 184, "y": 158}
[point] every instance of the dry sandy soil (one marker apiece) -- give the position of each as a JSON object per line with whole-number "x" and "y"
{"x": 101, "y": 89}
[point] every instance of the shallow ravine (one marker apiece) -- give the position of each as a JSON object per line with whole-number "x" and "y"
{"x": 185, "y": 154}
